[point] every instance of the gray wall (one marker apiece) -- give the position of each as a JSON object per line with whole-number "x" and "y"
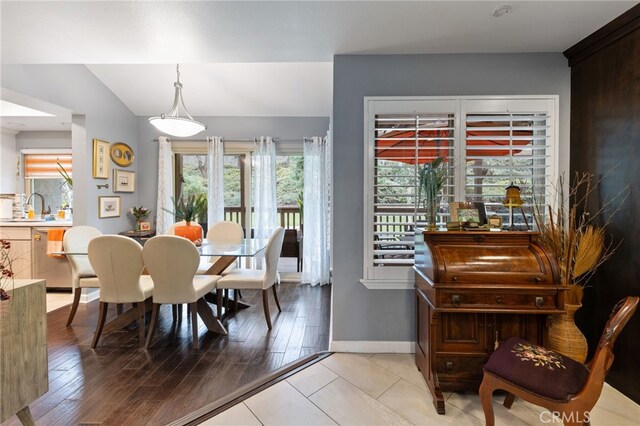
{"x": 42, "y": 140}
{"x": 360, "y": 314}
{"x": 285, "y": 128}
{"x": 106, "y": 117}
{"x": 8, "y": 179}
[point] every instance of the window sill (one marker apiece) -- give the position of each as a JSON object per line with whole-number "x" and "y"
{"x": 387, "y": 284}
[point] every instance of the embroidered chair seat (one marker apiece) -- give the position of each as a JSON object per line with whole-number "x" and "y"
{"x": 538, "y": 370}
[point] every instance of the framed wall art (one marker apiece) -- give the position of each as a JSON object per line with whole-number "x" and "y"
{"x": 124, "y": 181}
{"x": 100, "y": 159}
{"x": 108, "y": 207}
{"x": 122, "y": 154}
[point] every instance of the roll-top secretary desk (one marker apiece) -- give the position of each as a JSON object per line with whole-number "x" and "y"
{"x": 475, "y": 289}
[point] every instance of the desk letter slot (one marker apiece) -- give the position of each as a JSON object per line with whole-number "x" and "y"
{"x": 455, "y": 299}
{"x": 539, "y": 302}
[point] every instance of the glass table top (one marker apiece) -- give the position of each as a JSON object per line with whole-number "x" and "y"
{"x": 247, "y": 248}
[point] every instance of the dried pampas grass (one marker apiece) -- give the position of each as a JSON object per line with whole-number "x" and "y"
{"x": 576, "y": 238}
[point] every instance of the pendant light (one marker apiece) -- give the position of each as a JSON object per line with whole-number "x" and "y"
{"x": 173, "y": 123}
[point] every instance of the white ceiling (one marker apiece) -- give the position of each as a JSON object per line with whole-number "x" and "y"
{"x": 271, "y": 58}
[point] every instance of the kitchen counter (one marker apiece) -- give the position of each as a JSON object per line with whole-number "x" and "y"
{"x": 32, "y": 223}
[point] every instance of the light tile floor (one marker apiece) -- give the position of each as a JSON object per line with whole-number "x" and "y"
{"x": 57, "y": 300}
{"x": 387, "y": 389}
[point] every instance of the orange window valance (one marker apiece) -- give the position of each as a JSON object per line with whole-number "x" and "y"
{"x": 45, "y": 165}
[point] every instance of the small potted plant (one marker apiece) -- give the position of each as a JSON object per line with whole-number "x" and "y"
{"x": 431, "y": 180}
{"x": 139, "y": 213}
{"x": 188, "y": 209}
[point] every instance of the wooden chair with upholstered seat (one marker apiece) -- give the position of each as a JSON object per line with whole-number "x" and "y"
{"x": 76, "y": 240}
{"x": 545, "y": 378}
{"x": 172, "y": 262}
{"x": 118, "y": 263}
{"x": 257, "y": 279}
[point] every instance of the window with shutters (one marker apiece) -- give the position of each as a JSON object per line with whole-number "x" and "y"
{"x": 487, "y": 144}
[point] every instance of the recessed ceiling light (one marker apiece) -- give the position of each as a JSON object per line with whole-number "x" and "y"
{"x": 9, "y": 109}
{"x": 501, "y": 11}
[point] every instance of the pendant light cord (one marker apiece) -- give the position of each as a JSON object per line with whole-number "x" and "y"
{"x": 178, "y": 72}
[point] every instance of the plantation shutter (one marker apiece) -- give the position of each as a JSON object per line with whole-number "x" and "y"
{"x": 45, "y": 165}
{"x": 505, "y": 148}
{"x": 403, "y": 143}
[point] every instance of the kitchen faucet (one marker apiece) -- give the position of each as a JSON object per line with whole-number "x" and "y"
{"x": 43, "y": 212}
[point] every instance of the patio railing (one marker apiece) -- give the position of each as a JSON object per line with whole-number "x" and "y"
{"x": 289, "y": 216}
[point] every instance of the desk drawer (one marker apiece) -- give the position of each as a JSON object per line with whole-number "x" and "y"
{"x": 494, "y": 300}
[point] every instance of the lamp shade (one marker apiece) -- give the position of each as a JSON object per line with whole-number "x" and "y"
{"x": 512, "y": 198}
{"x": 175, "y": 124}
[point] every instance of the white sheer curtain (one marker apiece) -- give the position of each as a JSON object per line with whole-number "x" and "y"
{"x": 215, "y": 181}
{"x": 164, "y": 219}
{"x": 317, "y": 187}
{"x": 265, "y": 203}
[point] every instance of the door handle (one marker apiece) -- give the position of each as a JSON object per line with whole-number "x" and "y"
{"x": 37, "y": 237}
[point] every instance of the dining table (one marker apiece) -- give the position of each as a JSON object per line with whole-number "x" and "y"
{"x": 221, "y": 257}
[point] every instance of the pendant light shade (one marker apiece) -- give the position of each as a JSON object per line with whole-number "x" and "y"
{"x": 178, "y": 122}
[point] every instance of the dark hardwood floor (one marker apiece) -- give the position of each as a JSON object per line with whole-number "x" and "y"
{"x": 119, "y": 383}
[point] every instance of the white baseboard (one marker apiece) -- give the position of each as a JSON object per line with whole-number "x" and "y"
{"x": 363, "y": 346}
{"x": 89, "y": 295}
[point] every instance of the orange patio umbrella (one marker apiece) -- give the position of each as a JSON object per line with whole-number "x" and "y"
{"x": 400, "y": 145}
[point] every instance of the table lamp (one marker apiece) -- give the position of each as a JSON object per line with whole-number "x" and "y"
{"x": 512, "y": 200}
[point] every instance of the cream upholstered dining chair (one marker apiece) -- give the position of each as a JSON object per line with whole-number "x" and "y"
{"x": 257, "y": 279}
{"x": 203, "y": 266}
{"x": 224, "y": 233}
{"x": 76, "y": 240}
{"x": 172, "y": 262}
{"x": 118, "y": 263}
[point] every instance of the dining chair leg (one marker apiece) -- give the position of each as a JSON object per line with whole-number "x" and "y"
{"x": 486, "y": 398}
{"x": 275, "y": 295}
{"x": 119, "y": 308}
{"x": 194, "y": 323}
{"x": 265, "y": 304}
{"x": 219, "y": 303}
{"x": 236, "y": 298}
{"x": 509, "y": 400}
{"x": 140, "y": 312}
{"x": 74, "y": 307}
{"x": 152, "y": 326}
{"x": 227, "y": 302}
{"x": 102, "y": 316}
{"x": 174, "y": 312}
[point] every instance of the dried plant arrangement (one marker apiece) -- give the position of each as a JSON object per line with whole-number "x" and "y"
{"x": 6, "y": 272}
{"x": 576, "y": 237}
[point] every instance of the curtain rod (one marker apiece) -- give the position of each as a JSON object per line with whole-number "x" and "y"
{"x": 236, "y": 140}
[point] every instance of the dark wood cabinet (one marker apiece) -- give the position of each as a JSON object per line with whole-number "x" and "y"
{"x": 473, "y": 291}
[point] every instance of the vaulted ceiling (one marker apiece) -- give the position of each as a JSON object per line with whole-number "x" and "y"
{"x": 263, "y": 58}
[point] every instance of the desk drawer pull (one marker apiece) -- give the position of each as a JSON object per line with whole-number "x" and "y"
{"x": 456, "y": 300}
{"x": 539, "y": 302}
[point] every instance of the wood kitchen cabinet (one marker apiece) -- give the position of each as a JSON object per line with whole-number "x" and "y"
{"x": 473, "y": 291}
{"x": 21, "y": 249}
